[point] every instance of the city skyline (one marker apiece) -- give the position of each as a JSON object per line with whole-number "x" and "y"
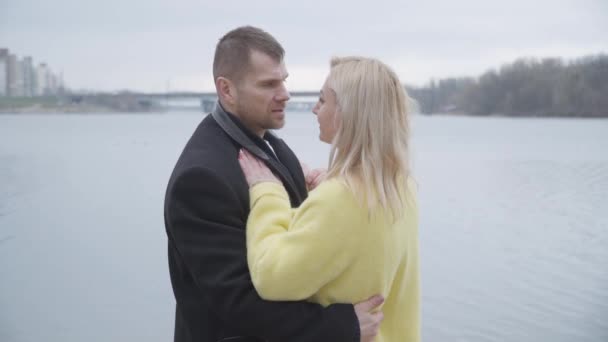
{"x": 155, "y": 46}
{"x": 20, "y": 77}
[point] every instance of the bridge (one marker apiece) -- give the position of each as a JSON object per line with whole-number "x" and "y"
{"x": 301, "y": 101}
{"x": 200, "y": 95}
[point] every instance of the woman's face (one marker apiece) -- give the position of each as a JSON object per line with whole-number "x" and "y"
{"x": 326, "y": 110}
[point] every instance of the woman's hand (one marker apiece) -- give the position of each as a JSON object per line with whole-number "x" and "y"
{"x": 255, "y": 171}
{"x": 313, "y": 176}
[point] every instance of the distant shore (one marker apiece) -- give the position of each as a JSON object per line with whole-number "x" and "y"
{"x": 140, "y": 104}
{"x": 71, "y": 109}
{"x": 85, "y": 110}
{"x": 82, "y": 104}
{"x": 42, "y": 109}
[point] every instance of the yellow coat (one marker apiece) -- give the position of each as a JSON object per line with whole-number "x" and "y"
{"x": 329, "y": 251}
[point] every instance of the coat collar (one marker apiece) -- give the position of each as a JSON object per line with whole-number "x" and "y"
{"x": 238, "y": 134}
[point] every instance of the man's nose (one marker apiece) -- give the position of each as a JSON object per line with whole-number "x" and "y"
{"x": 283, "y": 94}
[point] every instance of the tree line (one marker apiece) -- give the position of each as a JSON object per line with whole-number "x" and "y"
{"x": 526, "y": 87}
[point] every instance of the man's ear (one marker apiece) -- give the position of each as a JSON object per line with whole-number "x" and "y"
{"x": 226, "y": 91}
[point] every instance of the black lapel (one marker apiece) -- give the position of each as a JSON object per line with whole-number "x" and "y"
{"x": 233, "y": 131}
{"x": 290, "y": 161}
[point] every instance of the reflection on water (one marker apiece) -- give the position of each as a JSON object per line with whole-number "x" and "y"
{"x": 514, "y": 225}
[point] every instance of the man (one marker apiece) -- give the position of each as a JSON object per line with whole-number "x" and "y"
{"x": 207, "y": 204}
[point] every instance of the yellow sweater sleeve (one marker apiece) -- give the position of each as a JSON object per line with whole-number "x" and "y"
{"x": 294, "y": 253}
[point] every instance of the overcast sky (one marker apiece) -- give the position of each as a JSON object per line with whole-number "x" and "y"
{"x": 157, "y": 45}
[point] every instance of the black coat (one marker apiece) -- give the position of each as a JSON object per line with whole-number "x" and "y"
{"x": 206, "y": 209}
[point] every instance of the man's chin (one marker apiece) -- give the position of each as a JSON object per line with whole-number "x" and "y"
{"x": 278, "y": 124}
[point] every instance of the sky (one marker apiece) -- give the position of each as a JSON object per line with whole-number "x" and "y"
{"x": 155, "y": 46}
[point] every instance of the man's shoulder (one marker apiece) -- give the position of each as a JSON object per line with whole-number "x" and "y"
{"x": 207, "y": 132}
{"x": 208, "y": 149}
{"x": 207, "y": 144}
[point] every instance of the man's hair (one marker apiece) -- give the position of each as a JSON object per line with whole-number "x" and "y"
{"x": 233, "y": 51}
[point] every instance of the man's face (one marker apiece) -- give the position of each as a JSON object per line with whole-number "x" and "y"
{"x": 261, "y": 94}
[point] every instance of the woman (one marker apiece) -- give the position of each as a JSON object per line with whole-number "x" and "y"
{"x": 357, "y": 233}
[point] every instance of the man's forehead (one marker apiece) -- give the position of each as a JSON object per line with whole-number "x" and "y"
{"x": 274, "y": 70}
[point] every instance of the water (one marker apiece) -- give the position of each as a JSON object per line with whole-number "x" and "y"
{"x": 514, "y": 225}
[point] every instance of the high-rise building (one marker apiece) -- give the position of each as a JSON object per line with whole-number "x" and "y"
{"x": 60, "y": 84}
{"x": 41, "y": 79}
{"x": 15, "y": 76}
{"x": 28, "y": 76}
{"x": 3, "y": 72}
{"x": 51, "y": 83}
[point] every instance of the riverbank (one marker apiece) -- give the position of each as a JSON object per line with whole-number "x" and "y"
{"x": 122, "y": 103}
{"x": 62, "y": 109}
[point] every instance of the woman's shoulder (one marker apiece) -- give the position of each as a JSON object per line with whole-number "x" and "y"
{"x": 412, "y": 188}
{"x": 332, "y": 187}
{"x": 333, "y": 190}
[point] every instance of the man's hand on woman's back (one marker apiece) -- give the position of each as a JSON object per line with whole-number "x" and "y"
{"x": 369, "y": 321}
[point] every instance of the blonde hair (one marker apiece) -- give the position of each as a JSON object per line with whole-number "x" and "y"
{"x": 370, "y": 148}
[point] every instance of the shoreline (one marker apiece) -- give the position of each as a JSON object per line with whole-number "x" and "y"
{"x": 93, "y": 110}
{"x": 74, "y": 109}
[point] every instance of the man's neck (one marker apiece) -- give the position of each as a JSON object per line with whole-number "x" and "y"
{"x": 258, "y": 132}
